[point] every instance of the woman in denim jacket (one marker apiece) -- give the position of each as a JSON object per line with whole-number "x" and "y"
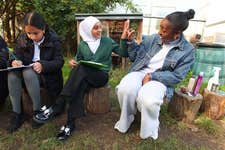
{"x": 159, "y": 62}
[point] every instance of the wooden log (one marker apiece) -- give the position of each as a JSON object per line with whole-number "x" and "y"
{"x": 27, "y": 104}
{"x": 97, "y": 100}
{"x": 184, "y": 107}
{"x": 213, "y": 104}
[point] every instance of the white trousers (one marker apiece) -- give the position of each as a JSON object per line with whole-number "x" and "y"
{"x": 147, "y": 99}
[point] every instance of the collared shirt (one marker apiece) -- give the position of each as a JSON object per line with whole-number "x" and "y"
{"x": 36, "y": 56}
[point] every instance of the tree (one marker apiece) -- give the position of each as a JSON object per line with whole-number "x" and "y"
{"x": 60, "y": 14}
{"x": 10, "y": 13}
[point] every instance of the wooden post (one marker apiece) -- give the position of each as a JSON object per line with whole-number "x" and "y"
{"x": 213, "y": 104}
{"x": 97, "y": 100}
{"x": 184, "y": 107}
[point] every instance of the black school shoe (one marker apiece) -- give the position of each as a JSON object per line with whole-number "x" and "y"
{"x": 44, "y": 115}
{"x": 15, "y": 122}
{"x": 65, "y": 132}
{"x": 34, "y": 124}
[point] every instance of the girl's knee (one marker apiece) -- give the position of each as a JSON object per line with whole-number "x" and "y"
{"x": 150, "y": 103}
{"x": 29, "y": 74}
{"x": 12, "y": 76}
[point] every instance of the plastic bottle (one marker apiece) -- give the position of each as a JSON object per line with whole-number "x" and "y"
{"x": 191, "y": 84}
{"x": 198, "y": 83}
{"x": 214, "y": 81}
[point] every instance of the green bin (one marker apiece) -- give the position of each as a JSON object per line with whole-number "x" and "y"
{"x": 208, "y": 56}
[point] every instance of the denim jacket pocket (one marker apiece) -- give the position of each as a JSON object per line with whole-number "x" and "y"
{"x": 169, "y": 64}
{"x": 141, "y": 54}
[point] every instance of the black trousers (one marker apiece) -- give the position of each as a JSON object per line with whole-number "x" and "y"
{"x": 81, "y": 78}
{"x": 3, "y": 88}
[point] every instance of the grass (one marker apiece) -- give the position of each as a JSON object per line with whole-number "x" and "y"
{"x": 208, "y": 125}
{"x": 88, "y": 139}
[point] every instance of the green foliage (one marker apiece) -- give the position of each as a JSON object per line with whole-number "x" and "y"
{"x": 60, "y": 15}
{"x": 185, "y": 81}
{"x": 222, "y": 87}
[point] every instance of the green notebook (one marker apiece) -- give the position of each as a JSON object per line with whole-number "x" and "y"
{"x": 93, "y": 64}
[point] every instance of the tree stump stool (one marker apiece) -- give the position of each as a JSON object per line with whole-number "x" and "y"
{"x": 184, "y": 107}
{"x": 213, "y": 105}
{"x": 97, "y": 100}
{"x": 27, "y": 104}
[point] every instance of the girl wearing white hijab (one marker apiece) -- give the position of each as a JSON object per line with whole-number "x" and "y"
{"x": 86, "y": 34}
{"x": 93, "y": 47}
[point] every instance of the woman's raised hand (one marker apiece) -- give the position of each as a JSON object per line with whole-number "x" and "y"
{"x": 127, "y": 32}
{"x": 125, "y": 29}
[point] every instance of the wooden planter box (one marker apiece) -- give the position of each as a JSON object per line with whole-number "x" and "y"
{"x": 184, "y": 107}
{"x": 213, "y": 105}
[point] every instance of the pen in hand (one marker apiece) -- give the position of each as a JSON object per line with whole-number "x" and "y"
{"x": 13, "y": 55}
{"x": 16, "y": 62}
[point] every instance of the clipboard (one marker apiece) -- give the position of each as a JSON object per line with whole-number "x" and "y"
{"x": 16, "y": 68}
{"x": 93, "y": 64}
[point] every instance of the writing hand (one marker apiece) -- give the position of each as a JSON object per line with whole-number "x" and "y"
{"x": 72, "y": 63}
{"x": 17, "y": 63}
{"x": 146, "y": 78}
{"x": 37, "y": 66}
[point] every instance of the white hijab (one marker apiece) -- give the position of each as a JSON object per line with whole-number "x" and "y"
{"x": 85, "y": 32}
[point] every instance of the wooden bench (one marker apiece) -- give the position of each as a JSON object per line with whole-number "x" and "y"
{"x": 97, "y": 100}
{"x": 184, "y": 107}
{"x": 27, "y": 105}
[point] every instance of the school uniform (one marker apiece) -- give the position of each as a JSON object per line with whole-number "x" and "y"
{"x": 83, "y": 77}
{"x": 51, "y": 58}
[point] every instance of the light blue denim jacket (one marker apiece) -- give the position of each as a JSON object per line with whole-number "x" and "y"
{"x": 176, "y": 65}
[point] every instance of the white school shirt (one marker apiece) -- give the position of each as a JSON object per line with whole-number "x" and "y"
{"x": 36, "y": 56}
{"x": 157, "y": 61}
